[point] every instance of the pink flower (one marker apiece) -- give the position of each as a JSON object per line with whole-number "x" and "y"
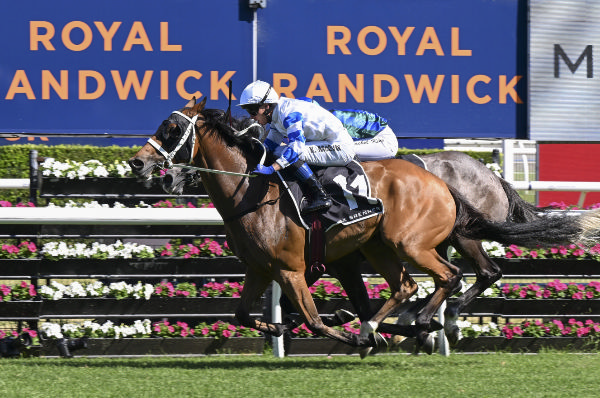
{"x": 518, "y": 330}
{"x": 533, "y": 254}
{"x": 558, "y": 323}
{"x": 226, "y": 333}
{"x": 583, "y": 332}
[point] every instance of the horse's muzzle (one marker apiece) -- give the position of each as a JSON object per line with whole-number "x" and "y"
{"x": 140, "y": 167}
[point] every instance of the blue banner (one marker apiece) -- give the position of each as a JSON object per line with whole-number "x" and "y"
{"x": 433, "y": 68}
{"x": 116, "y": 66}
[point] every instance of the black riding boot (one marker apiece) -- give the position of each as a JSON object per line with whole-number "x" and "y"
{"x": 319, "y": 200}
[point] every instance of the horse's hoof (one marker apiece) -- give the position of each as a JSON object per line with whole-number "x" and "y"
{"x": 451, "y": 330}
{"x": 425, "y": 343}
{"x": 376, "y": 343}
{"x": 452, "y": 334}
{"x": 428, "y": 345}
{"x": 344, "y": 316}
{"x": 364, "y": 352}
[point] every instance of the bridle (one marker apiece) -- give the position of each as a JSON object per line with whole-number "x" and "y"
{"x": 191, "y": 128}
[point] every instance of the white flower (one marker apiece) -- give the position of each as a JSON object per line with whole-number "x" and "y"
{"x": 106, "y": 327}
{"x": 494, "y": 249}
{"x": 51, "y": 330}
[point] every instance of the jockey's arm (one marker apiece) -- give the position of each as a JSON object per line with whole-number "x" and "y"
{"x": 290, "y": 153}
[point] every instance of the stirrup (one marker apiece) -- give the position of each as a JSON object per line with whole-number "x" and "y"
{"x": 314, "y": 206}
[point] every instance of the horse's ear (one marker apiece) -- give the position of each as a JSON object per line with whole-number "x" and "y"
{"x": 202, "y": 103}
{"x": 191, "y": 102}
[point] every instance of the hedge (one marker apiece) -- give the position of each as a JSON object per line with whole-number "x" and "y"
{"x": 14, "y": 159}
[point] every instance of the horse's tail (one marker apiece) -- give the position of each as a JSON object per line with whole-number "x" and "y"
{"x": 520, "y": 210}
{"x": 542, "y": 230}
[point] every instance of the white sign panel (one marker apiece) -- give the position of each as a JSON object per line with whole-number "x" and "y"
{"x": 564, "y": 87}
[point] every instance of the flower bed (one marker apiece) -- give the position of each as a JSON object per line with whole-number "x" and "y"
{"x": 321, "y": 290}
{"x": 206, "y": 247}
{"x": 79, "y": 170}
{"x": 533, "y": 328}
{"x": 144, "y": 328}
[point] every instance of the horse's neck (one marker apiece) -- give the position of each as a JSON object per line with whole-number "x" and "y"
{"x": 230, "y": 194}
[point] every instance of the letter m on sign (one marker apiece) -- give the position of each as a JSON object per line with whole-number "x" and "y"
{"x": 587, "y": 54}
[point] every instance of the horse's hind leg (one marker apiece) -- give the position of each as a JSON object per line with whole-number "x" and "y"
{"x": 392, "y": 269}
{"x": 446, "y": 277}
{"x": 487, "y": 273}
{"x": 410, "y": 314}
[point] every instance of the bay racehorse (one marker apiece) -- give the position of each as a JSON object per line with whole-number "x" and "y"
{"x": 490, "y": 194}
{"x": 421, "y": 213}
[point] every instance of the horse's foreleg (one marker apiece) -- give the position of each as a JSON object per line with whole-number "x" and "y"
{"x": 294, "y": 286}
{"x": 487, "y": 273}
{"x": 254, "y": 285}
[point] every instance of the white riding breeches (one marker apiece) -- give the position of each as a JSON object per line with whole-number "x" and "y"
{"x": 323, "y": 153}
{"x": 384, "y": 145}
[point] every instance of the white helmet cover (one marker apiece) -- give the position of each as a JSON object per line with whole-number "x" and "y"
{"x": 258, "y": 92}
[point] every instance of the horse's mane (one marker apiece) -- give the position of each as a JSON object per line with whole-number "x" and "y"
{"x": 218, "y": 123}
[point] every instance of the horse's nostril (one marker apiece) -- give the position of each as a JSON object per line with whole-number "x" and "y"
{"x": 168, "y": 180}
{"x": 136, "y": 164}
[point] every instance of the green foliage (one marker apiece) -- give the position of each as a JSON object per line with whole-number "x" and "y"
{"x": 485, "y": 156}
{"x": 14, "y": 161}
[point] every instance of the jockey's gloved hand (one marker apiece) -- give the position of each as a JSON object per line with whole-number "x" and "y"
{"x": 264, "y": 170}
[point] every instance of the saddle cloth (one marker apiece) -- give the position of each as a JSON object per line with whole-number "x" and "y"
{"x": 350, "y": 190}
{"x": 414, "y": 159}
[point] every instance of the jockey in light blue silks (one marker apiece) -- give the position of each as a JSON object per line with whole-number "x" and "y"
{"x": 301, "y": 134}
